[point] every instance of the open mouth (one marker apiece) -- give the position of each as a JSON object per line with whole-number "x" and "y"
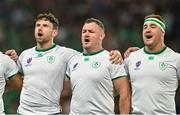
{"x": 148, "y": 36}
{"x": 86, "y": 40}
{"x": 40, "y": 34}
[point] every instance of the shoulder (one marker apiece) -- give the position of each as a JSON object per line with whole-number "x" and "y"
{"x": 28, "y": 50}
{"x": 65, "y": 50}
{"x": 5, "y": 59}
{"x": 3, "y": 56}
{"x": 66, "y": 53}
{"x": 171, "y": 53}
{"x": 136, "y": 53}
{"x": 105, "y": 53}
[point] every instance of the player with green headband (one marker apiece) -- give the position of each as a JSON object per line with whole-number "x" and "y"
{"x": 154, "y": 71}
{"x": 158, "y": 22}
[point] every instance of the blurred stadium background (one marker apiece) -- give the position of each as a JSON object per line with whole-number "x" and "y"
{"x": 123, "y": 21}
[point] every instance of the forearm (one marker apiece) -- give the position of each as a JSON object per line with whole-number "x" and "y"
{"x": 65, "y": 104}
{"x": 124, "y": 105}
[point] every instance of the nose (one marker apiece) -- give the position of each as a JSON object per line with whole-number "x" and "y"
{"x": 148, "y": 29}
{"x": 39, "y": 28}
{"x": 86, "y": 33}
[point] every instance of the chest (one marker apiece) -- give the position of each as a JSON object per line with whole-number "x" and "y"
{"x": 90, "y": 69}
{"x": 153, "y": 68}
{"x": 46, "y": 64}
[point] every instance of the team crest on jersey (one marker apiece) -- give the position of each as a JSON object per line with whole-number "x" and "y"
{"x": 50, "y": 59}
{"x": 74, "y": 67}
{"x": 138, "y": 64}
{"x": 28, "y": 62}
{"x": 163, "y": 65}
{"x": 96, "y": 64}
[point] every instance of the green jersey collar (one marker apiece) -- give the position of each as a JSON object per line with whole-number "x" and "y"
{"x": 43, "y": 50}
{"x": 157, "y": 52}
{"x": 94, "y": 53}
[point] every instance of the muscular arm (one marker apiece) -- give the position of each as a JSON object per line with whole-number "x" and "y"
{"x": 15, "y": 82}
{"x": 66, "y": 96}
{"x": 123, "y": 88}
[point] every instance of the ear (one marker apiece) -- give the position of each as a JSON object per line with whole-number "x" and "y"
{"x": 163, "y": 33}
{"x": 55, "y": 32}
{"x": 103, "y": 36}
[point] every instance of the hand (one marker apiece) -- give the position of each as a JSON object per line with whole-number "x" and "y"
{"x": 115, "y": 57}
{"x": 12, "y": 54}
{"x": 129, "y": 50}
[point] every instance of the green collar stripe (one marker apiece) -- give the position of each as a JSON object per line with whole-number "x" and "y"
{"x": 157, "y": 22}
{"x": 43, "y": 50}
{"x": 94, "y": 53}
{"x": 155, "y": 53}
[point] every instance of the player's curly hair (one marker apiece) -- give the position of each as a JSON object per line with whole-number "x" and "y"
{"x": 48, "y": 16}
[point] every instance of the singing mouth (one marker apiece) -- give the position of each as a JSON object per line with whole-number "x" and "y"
{"x": 87, "y": 40}
{"x": 148, "y": 36}
{"x": 40, "y": 34}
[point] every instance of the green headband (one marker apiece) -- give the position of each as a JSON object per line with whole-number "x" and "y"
{"x": 157, "y": 22}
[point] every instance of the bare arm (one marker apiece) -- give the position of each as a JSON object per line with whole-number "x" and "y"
{"x": 122, "y": 86}
{"x": 15, "y": 82}
{"x": 66, "y": 96}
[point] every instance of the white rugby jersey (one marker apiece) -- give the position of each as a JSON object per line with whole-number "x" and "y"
{"x": 8, "y": 69}
{"x": 92, "y": 78}
{"x": 154, "y": 79}
{"x": 44, "y": 72}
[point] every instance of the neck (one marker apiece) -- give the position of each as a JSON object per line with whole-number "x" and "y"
{"x": 40, "y": 46}
{"x": 89, "y": 50}
{"x": 154, "y": 51}
{"x": 92, "y": 53}
{"x": 154, "y": 48}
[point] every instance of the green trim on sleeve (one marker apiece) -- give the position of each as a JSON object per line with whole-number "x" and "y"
{"x": 68, "y": 77}
{"x": 11, "y": 76}
{"x": 119, "y": 77}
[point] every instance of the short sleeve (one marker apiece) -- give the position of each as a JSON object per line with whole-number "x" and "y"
{"x": 117, "y": 71}
{"x": 10, "y": 67}
{"x": 19, "y": 63}
{"x": 126, "y": 62}
{"x": 68, "y": 74}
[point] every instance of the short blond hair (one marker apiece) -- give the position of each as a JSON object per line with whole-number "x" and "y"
{"x": 98, "y": 22}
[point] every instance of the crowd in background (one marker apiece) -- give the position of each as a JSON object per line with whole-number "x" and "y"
{"x": 123, "y": 21}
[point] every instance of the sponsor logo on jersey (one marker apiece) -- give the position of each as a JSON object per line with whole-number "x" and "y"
{"x": 86, "y": 59}
{"x": 28, "y": 62}
{"x": 96, "y": 64}
{"x": 50, "y": 59}
{"x": 163, "y": 65}
{"x": 151, "y": 57}
{"x": 138, "y": 63}
{"x": 40, "y": 55}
